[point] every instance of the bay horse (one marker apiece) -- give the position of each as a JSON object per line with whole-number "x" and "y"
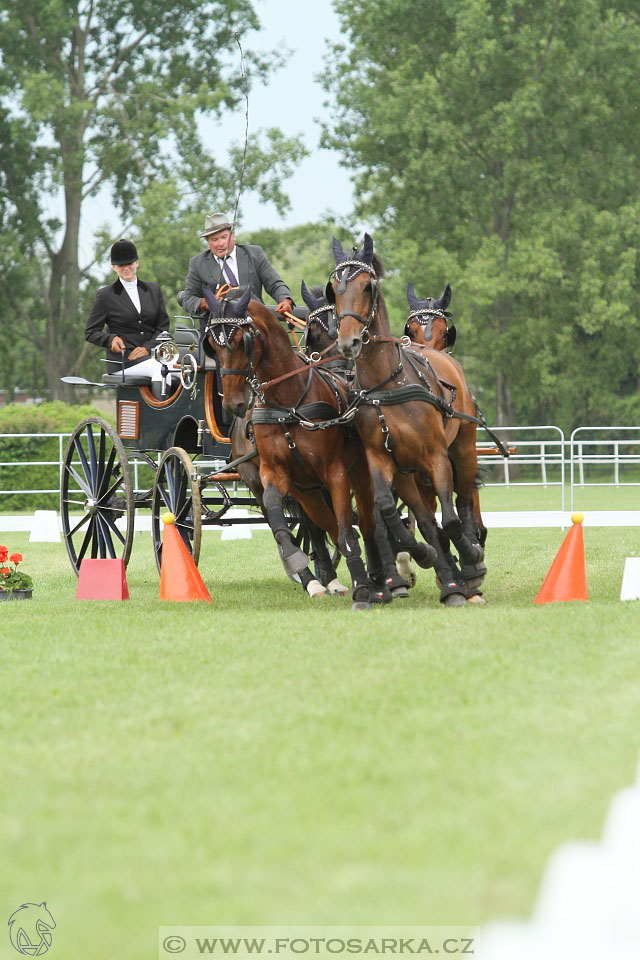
{"x": 300, "y": 443}
{"x": 243, "y": 448}
{"x": 427, "y": 322}
{"x": 320, "y": 345}
{"x": 416, "y": 418}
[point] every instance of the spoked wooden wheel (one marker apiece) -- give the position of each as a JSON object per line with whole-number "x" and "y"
{"x": 176, "y": 490}
{"x": 96, "y": 495}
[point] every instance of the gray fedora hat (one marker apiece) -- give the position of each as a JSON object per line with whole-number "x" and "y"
{"x": 214, "y": 222}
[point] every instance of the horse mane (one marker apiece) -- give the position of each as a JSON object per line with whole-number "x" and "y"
{"x": 268, "y": 321}
{"x": 377, "y": 265}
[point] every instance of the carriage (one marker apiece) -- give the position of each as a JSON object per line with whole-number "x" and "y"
{"x": 170, "y": 450}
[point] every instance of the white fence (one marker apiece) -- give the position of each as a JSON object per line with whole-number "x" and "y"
{"x": 540, "y": 455}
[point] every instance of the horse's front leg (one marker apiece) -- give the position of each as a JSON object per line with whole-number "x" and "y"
{"x": 381, "y": 560}
{"x": 276, "y": 482}
{"x": 363, "y": 591}
{"x": 441, "y": 475}
{"x": 382, "y": 470}
{"x": 325, "y": 570}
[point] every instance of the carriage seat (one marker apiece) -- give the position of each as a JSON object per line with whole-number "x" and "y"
{"x": 115, "y": 379}
{"x": 187, "y": 340}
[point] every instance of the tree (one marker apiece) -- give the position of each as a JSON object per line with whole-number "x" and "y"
{"x": 495, "y": 144}
{"x": 96, "y": 96}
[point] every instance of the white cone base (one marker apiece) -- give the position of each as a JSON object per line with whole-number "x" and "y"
{"x": 45, "y": 527}
{"x": 631, "y": 579}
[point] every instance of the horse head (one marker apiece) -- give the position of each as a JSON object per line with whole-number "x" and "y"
{"x": 354, "y": 290}
{"x": 321, "y": 323}
{"x": 427, "y": 322}
{"x": 232, "y": 335}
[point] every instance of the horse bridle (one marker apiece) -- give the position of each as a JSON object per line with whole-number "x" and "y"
{"x": 317, "y": 316}
{"x": 344, "y": 279}
{"x": 223, "y": 336}
{"x": 425, "y": 317}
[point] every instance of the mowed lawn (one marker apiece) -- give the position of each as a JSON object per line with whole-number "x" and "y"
{"x": 270, "y": 760}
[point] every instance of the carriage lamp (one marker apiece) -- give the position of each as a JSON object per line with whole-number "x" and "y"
{"x": 165, "y": 351}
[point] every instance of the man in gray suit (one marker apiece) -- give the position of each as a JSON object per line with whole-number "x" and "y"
{"x": 234, "y": 263}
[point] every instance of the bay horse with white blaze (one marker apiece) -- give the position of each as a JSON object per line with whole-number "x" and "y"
{"x": 416, "y": 418}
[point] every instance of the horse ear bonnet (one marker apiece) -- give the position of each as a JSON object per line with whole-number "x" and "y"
{"x": 312, "y": 302}
{"x": 210, "y": 297}
{"x": 239, "y": 306}
{"x": 443, "y": 302}
{"x": 329, "y": 294}
{"x": 411, "y": 297}
{"x": 367, "y": 249}
{"x": 338, "y": 252}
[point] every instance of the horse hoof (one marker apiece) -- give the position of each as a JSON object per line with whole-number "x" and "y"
{"x": 405, "y": 568}
{"x": 399, "y": 593}
{"x": 361, "y": 605}
{"x": 454, "y": 600}
{"x": 425, "y": 556}
{"x": 477, "y": 599}
{"x": 295, "y": 562}
{"x": 336, "y": 588}
{"x": 315, "y": 589}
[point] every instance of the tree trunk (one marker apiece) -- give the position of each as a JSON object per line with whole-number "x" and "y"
{"x": 64, "y": 287}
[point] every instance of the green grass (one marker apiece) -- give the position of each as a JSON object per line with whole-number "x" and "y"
{"x": 268, "y": 759}
{"x": 589, "y": 497}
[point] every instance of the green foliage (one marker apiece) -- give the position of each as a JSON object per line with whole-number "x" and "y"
{"x": 300, "y": 253}
{"x": 511, "y": 171}
{"x": 40, "y": 419}
{"x": 112, "y": 97}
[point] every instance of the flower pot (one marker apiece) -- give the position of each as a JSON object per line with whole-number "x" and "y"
{"x": 15, "y": 594}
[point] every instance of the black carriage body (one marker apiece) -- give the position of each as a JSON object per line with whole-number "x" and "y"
{"x": 145, "y": 423}
{"x": 192, "y": 419}
{"x": 97, "y": 496}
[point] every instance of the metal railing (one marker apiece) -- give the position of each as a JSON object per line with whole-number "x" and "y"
{"x": 62, "y": 439}
{"x": 545, "y": 453}
{"x": 589, "y": 454}
{"x": 594, "y": 459}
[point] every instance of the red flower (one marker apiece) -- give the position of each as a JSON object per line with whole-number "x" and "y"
{"x": 4, "y": 553}
{"x": 5, "y": 571}
{"x": 16, "y": 558}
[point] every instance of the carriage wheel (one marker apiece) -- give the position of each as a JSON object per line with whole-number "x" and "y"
{"x": 176, "y": 490}
{"x": 96, "y": 483}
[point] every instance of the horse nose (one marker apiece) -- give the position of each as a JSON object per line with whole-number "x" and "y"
{"x": 350, "y": 346}
{"x": 237, "y": 408}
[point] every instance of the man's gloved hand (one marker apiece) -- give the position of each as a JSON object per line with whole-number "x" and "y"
{"x": 285, "y": 306}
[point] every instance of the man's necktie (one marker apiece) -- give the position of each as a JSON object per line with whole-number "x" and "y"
{"x": 229, "y": 274}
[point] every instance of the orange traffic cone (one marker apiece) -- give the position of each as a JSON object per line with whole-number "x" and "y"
{"x": 179, "y": 577}
{"x": 567, "y": 577}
